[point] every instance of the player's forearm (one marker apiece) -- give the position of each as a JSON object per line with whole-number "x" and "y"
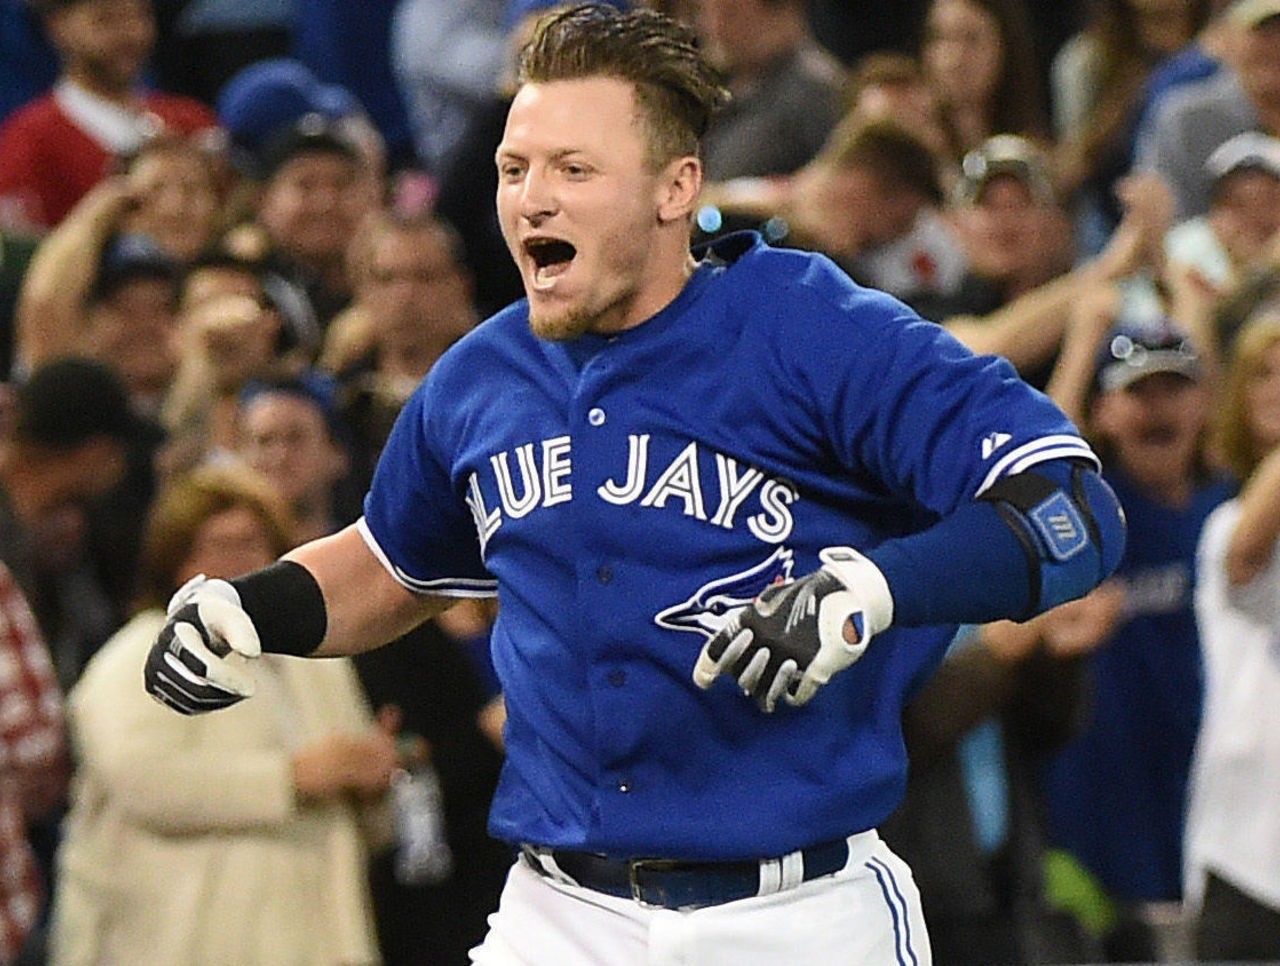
{"x": 365, "y": 606}
{"x": 331, "y": 597}
{"x": 1008, "y": 558}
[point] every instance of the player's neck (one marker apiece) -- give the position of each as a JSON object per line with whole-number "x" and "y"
{"x": 658, "y": 291}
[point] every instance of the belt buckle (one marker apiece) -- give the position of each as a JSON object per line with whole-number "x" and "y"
{"x": 634, "y": 868}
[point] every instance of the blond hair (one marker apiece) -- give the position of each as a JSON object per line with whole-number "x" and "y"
{"x": 1234, "y": 441}
{"x": 186, "y": 503}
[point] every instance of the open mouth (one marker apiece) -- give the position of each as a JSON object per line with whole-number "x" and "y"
{"x": 551, "y": 258}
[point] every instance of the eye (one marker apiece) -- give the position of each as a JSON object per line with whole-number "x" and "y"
{"x": 718, "y": 607}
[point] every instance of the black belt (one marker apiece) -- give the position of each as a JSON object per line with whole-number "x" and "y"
{"x": 676, "y": 884}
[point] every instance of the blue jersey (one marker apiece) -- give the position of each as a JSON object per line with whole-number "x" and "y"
{"x": 623, "y": 494}
{"x": 1116, "y": 795}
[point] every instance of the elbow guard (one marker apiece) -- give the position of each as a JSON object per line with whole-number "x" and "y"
{"x": 1070, "y": 526}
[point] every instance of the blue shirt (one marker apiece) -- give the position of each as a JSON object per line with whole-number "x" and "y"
{"x": 30, "y": 63}
{"x": 1116, "y": 794}
{"x": 623, "y": 494}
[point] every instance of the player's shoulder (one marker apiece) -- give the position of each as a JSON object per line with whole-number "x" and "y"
{"x": 499, "y": 337}
{"x": 791, "y": 287}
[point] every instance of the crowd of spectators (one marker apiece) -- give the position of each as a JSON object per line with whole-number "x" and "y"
{"x": 235, "y": 235}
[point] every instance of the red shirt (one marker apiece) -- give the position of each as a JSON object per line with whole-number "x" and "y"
{"x": 48, "y": 162}
{"x": 32, "y": 739}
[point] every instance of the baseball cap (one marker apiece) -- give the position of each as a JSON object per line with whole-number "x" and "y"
{"x": 1130, "y": 354}
{"x": 312, "y": 133}
{"x": 1252, "y": 150}
{"x": 1004, "y": 154}
{"x": 268, "y": 96}
{"x": 1251, "y": 13}
{"x": 311, "y": 386}
{"x": 126, "y": 258}
{"x": 70, "y": 401}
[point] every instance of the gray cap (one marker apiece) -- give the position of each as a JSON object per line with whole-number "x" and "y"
{"x": 1130, "y": 354}
{"x": 1004, "y": 154}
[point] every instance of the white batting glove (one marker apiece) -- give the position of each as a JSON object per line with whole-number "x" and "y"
{"x": 790, "y": 640}
{"x": 197, "y": 662}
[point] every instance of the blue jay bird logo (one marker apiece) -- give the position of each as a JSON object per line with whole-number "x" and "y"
{"x": 710, "y": 606}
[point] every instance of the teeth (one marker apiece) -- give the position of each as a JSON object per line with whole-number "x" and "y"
{"x": 544, "y": 276}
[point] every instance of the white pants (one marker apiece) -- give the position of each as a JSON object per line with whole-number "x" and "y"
{"x": 867, "y": 914}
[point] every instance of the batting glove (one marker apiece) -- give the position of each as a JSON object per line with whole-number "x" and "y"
{"x": 193, "y": 666}
{"x": 791, "y": 639}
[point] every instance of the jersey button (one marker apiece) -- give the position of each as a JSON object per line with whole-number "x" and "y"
{"x": 604, "y": 573}
{"x": 617, "y": 677}
{"x": 624, "y": 786}
{"x": 596, "y": 416}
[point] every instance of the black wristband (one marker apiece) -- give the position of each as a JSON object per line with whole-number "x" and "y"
{"x": 286, "y": 606}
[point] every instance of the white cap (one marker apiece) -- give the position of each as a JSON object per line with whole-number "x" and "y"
{"x": 1252, "y": 150}
{"x": 1250, "y": 13}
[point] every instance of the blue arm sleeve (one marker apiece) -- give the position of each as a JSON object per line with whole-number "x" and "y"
{"x": 1036, "y": 540}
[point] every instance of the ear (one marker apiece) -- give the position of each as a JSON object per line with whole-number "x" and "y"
{"x": 678, "y": 188}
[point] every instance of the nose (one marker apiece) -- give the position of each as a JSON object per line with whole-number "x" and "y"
{"x": 170, "y": 199}
{"x": 537, "y": 198}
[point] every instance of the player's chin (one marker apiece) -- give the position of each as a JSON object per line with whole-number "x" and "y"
{"x": 557, "y": 323}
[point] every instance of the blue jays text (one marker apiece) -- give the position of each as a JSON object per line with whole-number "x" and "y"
{"x": 545, "y": 481}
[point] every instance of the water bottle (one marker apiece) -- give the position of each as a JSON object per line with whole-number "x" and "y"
{"x": 422, "y": 855}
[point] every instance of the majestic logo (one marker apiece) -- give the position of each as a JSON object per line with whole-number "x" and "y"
{"x": 992, "y": 442}
{"x": 708, "y": 609}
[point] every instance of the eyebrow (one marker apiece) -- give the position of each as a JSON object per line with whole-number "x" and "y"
{"x": 559, "y": 155}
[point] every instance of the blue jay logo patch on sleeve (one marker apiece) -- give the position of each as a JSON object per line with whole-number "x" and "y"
{"x": 1060, "y": 526}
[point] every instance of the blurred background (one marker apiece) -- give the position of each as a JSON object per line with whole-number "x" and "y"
{"x": 235, "y": 235}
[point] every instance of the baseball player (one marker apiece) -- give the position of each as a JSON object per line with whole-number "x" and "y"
{"x": 686, "y": 479}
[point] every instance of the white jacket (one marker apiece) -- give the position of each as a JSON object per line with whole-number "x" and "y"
{"x": 185, "y": 843}
{"x": 1233, "y": 821}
